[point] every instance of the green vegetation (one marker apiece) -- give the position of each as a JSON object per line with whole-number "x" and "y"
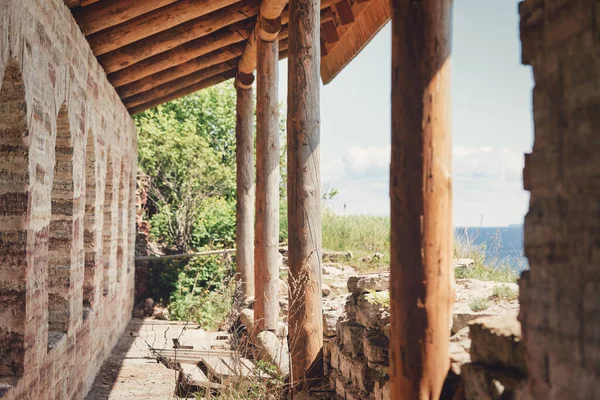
{"x": 504, "y": 292}
{"x": 363, "y": 235}
{"x": 187, "y": 152}
{"x": 491, "y": 269}
{"x": 382, "y": 299}
{"x": 479, "y": 304}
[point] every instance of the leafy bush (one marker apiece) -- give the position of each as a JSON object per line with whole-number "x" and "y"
{"x": 215, "y": 226}
{"x": 204, "y": 291}
{"x": 185, "y": 175}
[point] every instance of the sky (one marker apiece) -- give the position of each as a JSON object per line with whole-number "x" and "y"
{"x": 492, "y": 123}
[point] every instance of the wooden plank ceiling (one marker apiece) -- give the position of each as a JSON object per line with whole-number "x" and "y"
{"x": 154, "y": 51}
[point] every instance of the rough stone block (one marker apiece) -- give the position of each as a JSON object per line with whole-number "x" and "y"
{"x": 373, "y": 309}
{"x": 334, "y": 353}
{"x": 350, "y": 308}
{"x": 273, "y": 350}
{"x": 382, "y": 390}
{"x": 375, "y": 345}
{"x": 350, "y": 336}
{"x": 497, "y": 341}
{"x": 357, "y": 372}
{"x": 366, "y": 283}
{"x": 482, "y": 382}
{"x": 247, "y": 319}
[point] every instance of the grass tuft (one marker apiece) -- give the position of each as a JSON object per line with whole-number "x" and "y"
{"x": 479, "y": 304}
{"x": 504, "y": 292}
{"x": 491, "y": 268}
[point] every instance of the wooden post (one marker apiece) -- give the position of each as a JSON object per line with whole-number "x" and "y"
{"x": 421, "y": 199}
{"x": 266, "y": 252}
{"x": 304, "y": 192}
{"x": 244, "y": 152}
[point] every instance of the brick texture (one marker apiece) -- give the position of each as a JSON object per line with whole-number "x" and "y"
{"x": 67, "y": 206}
{"x": 560, "y": 305}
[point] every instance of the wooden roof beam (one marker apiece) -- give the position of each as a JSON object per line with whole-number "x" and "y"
{"x": 178, "y": 84}
{"x": 72, "y": 3}
{"x": 152, "y": 23}
{"x": 176, "y": 36}
{"x": 224, "y": 37}
{"x": 184, "y": 92}
{"x": 194, "y": 88}
{"x": 184, "y": 81}
{"x": 216, "y": 57}
{"x": 265, "y": 28}
{"x": 108, "y": 13}
{"x": 202, "y": 62}
{"x": 344, "y": 10}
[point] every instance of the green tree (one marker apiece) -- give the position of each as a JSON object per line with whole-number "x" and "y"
{"x": 187, "y": 176}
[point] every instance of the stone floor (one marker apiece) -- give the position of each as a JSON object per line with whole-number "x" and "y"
{"x": 131, "y": 372}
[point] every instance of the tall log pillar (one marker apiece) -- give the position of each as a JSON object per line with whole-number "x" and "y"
{"x": 304, "y": 192}
{"x": 421, "y": 198}
{"x": 244, "y": 239}
{"x": 266, "y": 273}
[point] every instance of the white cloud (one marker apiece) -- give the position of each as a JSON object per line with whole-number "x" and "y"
{"x": 364, "y": 159}
{"x": 487, "y": 162}
{"x": 468, "y": 162}
{"x": 487, "y": 182}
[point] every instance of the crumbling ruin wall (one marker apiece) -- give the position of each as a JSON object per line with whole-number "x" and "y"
{"x": 67, "y": 195}
{"x": 356, "y": 354}
{"x": 559, "y": 295}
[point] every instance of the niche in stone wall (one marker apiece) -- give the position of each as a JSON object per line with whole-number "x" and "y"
{"x": 108, "y": 222}
{"x": 14, "y": 198}
{"x": 123, "y": 228}
{"x": 132, "y": 219}
{"x": 61, "y": 233}
{"x": 89, "y": 234}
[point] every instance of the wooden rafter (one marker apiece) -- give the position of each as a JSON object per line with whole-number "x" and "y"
{"x": 181, "y": 54}
{"x": 170, "y": 39}
{"x": 184, "y": 92}
{"x": 108, "y": 13}
{"x": 198, "y": 86}
{"x": 152, "y": 23}
{"x": 178, "y": 84}
{"x": 247, "y": 63}
{"x": 184, "y": 81}
{"x": 146, "y": 44}
{"x": 208, "y": 60}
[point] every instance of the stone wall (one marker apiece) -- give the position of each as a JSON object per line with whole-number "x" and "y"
{"x": 356, "y": 353}
{"x": 559, "y": 295}
{"x": 67, "y": 195}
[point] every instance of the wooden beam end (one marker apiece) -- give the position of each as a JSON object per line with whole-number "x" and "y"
{"x": 244, "y": 80}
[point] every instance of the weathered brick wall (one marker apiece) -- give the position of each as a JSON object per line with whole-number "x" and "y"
{"x": 560, "y": 301}
{"x": 67, "y": 200}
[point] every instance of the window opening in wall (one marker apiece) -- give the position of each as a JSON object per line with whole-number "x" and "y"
{"x": 14, "y": 199}
{"x": 61, "y": 233}
{"x": 89, "y": 236}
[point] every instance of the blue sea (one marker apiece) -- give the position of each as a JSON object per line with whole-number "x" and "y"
{"x": 501, "y": 243}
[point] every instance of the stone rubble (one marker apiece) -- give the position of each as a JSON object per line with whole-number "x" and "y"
{"x": 486, "y": 354}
